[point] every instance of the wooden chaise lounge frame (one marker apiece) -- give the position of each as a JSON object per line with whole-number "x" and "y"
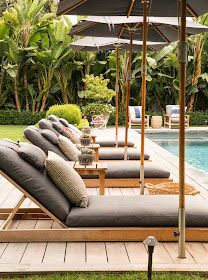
{"x": 80, "y": 234}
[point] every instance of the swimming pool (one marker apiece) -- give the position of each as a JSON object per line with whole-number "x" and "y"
{"x": 196, "y": 146}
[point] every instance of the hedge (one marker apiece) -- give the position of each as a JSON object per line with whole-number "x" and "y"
{"x": 9, "y": 117}
{"x": 70, "y": 112}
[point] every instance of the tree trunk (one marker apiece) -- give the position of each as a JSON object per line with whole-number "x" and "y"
{"x": 26, "y": 89}
{"x": 16, "y": 95}
{"x": 63, "y": 88}
{"x": 191, "y": 103}
{"x": 45, "y": 96}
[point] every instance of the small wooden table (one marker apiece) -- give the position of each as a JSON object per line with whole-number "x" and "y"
{"x": 94, "y": 147}
{"x": 96, "y": 168}
{"x": 94, "y": 139}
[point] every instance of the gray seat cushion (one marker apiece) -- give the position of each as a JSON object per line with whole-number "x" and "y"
{"x": 33, "y": 181}
{"x": 138, "y": 211}
{"x": 118, "y": 154}
{"x": 46, "y": 124}
{"x": 34, "y": 135}
{"x": 129, "y": 169}
{"x": 112, "y": 143}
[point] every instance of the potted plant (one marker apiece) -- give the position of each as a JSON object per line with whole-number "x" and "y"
{"x": 85, "y": 139}
{"x": 96, "y": 88}
{"x": 86, "y": 129}
{"x": 86, "y": 157}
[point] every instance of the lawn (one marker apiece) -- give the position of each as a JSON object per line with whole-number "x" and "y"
{"x": 127, "y": 276}
{"x": 13, "y": 132}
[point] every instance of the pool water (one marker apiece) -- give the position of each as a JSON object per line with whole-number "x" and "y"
{"x": 196, "y": 146}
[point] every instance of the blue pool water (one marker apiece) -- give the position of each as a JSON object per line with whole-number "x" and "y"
{"x": 196, "y": 146}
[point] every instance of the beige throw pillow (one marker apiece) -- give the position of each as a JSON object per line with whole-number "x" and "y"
{"x": 72, "y": 135}
{"x": 68, "y": 148}
{"x": 67, "y": 180}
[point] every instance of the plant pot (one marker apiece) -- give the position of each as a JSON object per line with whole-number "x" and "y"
{"x": 85, "y": 159}
{"x": 86, "y": 129}
{"x": 85, "y": 141}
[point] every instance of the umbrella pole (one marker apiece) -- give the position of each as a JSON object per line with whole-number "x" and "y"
{"x": 144, "y": 73}
{"x": 127, "y": 98}
{"x": 182, "y": 61}
{"x": 117, "y": 93}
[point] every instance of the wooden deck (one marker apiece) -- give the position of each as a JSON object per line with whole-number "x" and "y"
{"x": 101, "y": 256}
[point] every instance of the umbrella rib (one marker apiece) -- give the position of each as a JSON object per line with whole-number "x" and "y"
{"x": 73, "y": 7}
{"x": 83, "y": 28}
{"x": 160, "y": 33}
{"x": 191, "y": 11}
{"x": 130, "y": 8}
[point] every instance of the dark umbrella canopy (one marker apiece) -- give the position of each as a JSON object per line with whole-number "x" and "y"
{"x": 105, "y": 43}
{"x": 166, "y": 8}
{"x": 159, "y": 30}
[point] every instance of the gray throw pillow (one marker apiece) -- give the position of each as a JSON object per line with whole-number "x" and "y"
{"x": 75, "y": 129}
{"x": 58, "y": 127}
{"x": 46, "y": 124}
{"x": 67, "y": 180}
{"x": 64, "y": 122}
{"x": 72, "y": 135}
{"x": 53, "y": 118}
{"x": 69, "y": 149}
{"x": 50, "y": 136}
{"x": 33, "y": 155}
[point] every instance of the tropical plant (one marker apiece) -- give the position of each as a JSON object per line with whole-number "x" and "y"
{"x": 97, "y": 109}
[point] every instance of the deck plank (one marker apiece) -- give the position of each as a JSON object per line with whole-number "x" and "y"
{"x": 198, "y": 252}
{"x": 116, "y": 253}
{"x": 96, "y": 253}
{"x": 75, "y": 253}
{"x": 137, "y": 252}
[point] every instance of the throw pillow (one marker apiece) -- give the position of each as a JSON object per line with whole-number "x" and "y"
{"x": 59, "y": 127}
{"x": 64, "y": 122}
{"x": 75, "y": 129}
{"x": 72, "y": 135}
{"x": 53, "y": 118}
{"x": 50, "y": 136}
{"x": 175, "y": 112}
{"x": 68, "y": 148}
{"x": 67, "y": 180}
{"x": 33, "y": 155}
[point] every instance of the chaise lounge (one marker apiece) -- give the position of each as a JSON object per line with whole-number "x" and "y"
{"x": 105, "y": 219}
{"x": 122, "y": 174}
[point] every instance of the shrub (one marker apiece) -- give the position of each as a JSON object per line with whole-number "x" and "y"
{"x": 121, "y": 119}
{"x": 9, "y": 117}
{"x": 70, "y": 112}
{"x": 83, "y": 122}
{"x": 199, "y": 118}
{"x": 97, "y": 88}
{"x": 97, "y": 109}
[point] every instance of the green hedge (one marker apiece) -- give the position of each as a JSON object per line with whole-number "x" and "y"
{"x": 199, "y": 118}
{"x": 9, "y": 117}
{"x": 70, "y": 112}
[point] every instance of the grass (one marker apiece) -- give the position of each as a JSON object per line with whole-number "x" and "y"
{"x": 13, "y": 132}
{"x": 110, "y": 276}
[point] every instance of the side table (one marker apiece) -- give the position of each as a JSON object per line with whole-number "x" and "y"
{"x": 156, "y": 121}
{"x": 95, "y": 169}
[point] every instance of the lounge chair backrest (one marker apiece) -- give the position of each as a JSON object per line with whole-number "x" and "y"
{"x": 169, "y": 109}
{"x": 35, "y": 182}
{"x": 46, "y": 124}
{"x": 135, "y": 112}
{"x": 35, "y": 137}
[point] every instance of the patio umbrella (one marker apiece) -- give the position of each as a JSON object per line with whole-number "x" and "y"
{"x": 156, "y": 8}
{"x": 105, "y": 43}
{"x": 168, "y": 8}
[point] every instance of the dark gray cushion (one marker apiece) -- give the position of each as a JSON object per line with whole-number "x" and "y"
{"x": 33, "y": 155}
{"x": 128, "y": 169}
{"x": 33, "y": 181}
{"x": 112, "y": 143}
{"x": 118, "y": 154}
{"x": 59, "y": 127}
{"x": 34, "y": 136}
{"x": 138, "y": 211}
{"x": 50, "y": 136}
{"x": 64, "y": 122}
{"x": 46, "y": 124}
{"x": 53, "y": 118}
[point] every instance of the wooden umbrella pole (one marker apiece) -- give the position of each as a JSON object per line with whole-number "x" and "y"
{"x": 144, "y": 74}
{"x": 117, "y": 92}
{"x": 182, "y": 60}
{"x": 128, "y": 89}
